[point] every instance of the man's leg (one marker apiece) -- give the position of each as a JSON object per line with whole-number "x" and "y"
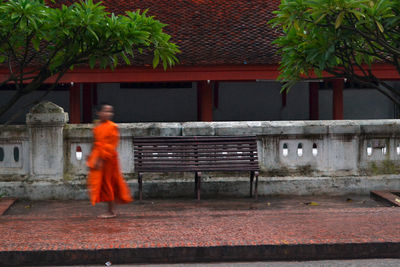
{"x": 111, "y": 208}
{"x": 111, "y": 211}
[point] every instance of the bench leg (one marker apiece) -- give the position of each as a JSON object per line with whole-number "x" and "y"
{"x": 140, "y": 176}
{"x": 198, "y": 184}
{"x": 251, "y": 183}
{"x": 256, "y": 187}
{"x": 196, "y": 178}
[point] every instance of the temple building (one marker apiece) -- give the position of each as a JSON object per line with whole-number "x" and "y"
{"x": 227, "y": 72}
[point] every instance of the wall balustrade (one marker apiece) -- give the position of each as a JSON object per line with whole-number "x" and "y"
{"x": 49, "y": 149}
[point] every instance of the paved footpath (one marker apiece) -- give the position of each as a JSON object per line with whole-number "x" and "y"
{"x": 160, "y": 231}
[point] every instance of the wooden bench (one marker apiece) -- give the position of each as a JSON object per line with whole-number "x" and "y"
{"x": 196, "y": 154}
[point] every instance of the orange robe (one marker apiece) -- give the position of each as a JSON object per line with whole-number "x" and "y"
{"x": 106, "y": 183}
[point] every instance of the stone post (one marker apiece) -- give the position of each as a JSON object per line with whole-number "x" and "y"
{"x": 45, "y": 123}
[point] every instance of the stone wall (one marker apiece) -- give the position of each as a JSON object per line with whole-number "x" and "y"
{"x": 46, "y": 157}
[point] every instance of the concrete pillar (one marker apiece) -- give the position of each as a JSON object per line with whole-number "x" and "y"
{"x": 46, "y": 122}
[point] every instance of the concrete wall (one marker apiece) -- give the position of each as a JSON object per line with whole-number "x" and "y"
{"x": 61, "y": 98}
{"x": 151, "y": 104}
{"x": 358, "y": 104}
{"x": 238, "y": 101}
{"x": 295, "y": 157}
{"x": 254, "y": 101}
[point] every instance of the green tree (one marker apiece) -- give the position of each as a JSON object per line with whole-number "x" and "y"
{"x": 38, "y": 41}
{"x": 341, "y": 38}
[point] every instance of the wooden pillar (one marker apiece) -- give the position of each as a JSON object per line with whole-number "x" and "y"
{"x": 216, "y": 94}
{"x": 95, "y": 97}
{"x": 204, "y": 101}
{"x": 284, "y": 98}
{"x": 313, "y": 100}
{"x": 75, "y": 103}
{"x": 337, "y": 85}
{"x": 87, "y": 103}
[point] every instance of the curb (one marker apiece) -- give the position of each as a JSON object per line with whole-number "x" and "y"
{"x": 5, "y": 204}
{"x": 203, "y": 254}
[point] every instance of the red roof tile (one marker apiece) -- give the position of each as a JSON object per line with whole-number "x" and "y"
{"x": 209, "y": 32}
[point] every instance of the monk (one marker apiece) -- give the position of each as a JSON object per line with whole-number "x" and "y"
{"x": 105, "y": 181}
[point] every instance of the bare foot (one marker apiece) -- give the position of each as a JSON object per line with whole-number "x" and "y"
{"x": 107, "y": 216}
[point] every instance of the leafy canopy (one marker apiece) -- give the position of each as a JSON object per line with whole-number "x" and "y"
{"x": 38, "y": 41}
{"x": 340, "y": 37}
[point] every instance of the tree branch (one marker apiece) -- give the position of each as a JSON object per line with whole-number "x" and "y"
{"x": 4, "y": 108}
{"x": 22, "y": 109}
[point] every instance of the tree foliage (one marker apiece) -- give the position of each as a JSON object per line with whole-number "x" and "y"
{"x": 340, "y": 37}
{"x": 38, "y": 41}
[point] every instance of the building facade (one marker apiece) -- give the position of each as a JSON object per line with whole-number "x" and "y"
{"x": 227, "y": 72}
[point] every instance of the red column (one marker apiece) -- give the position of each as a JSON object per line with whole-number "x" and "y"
{"x": 87, "y": 103}
{"x": 75, "y": 103}
{"x": 337, "y": 85}
{"x": 216, "y": 94}
{"x": 204, "y": 101}
{"x": 284, "y": 98}
{"x": 95, "y": 97}
{"x": 313, "y": 100}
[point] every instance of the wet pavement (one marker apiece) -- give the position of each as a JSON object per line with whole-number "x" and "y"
{"x": 327, "y": 263}
{"x": 57, "y": 208}
{"x": 185, "y": 230}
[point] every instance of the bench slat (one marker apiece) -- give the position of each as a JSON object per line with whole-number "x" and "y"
{"x": 194, "y": 146}
{"x": 227, "y": 169}
{"x": 205, "y": 153}
{"x": 195, "y": 150}
{"x": 192, "y": 140}
{"x": 202, "y": 169}
{"x": 199, "y": 163}
{"x": 195, "y": 153}
{"x": 201, "y": 160}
